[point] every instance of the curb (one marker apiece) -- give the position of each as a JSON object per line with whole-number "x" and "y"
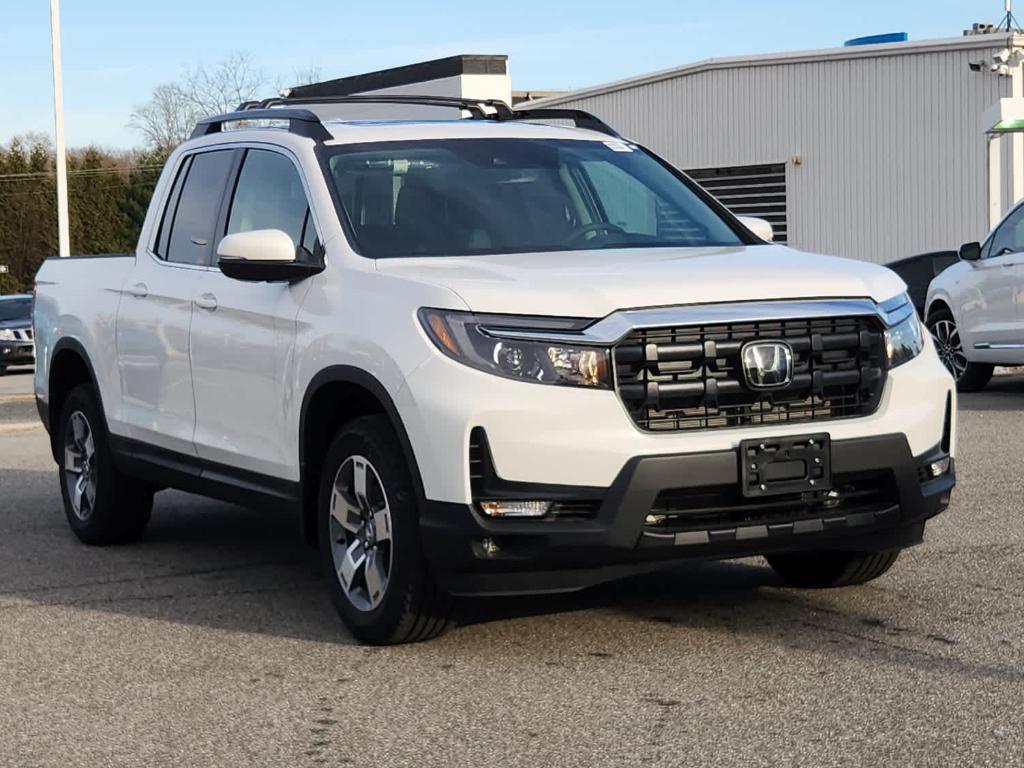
{"x": 19, "y": 426}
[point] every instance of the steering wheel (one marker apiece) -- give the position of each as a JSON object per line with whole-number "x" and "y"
{"x": 597, "y": 226}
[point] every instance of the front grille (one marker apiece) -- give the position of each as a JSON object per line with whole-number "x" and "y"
{"x": 23, "y": 334}
{"x": 691, "y": 377}
{"x": 712, "y": 508}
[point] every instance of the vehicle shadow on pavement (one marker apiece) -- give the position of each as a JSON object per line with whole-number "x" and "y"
{"x": 743, "y": 603}
{"x": 209, "y": 564}
{"x": 201, "y": 562}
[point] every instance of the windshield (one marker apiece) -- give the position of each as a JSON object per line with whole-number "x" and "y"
{"x": 15, "y": 309}
{"x": 460, "y": 197}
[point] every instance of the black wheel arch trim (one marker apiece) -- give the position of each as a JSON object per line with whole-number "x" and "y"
{"x": 46, "y": 411}
{"x": 937, "y": 305}
{"x": 348, "y": 374}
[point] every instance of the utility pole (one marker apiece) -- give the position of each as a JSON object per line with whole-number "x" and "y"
{"x": 63, "y": 230}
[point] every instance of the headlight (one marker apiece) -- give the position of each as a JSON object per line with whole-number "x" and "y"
{"x": 904, "y": 341}
{"x": 6, "y": 334}
{"x": 460, "y": 335}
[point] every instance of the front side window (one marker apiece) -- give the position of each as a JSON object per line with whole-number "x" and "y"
{"x": 269, "y": 195}
{"x": 462, "y": 197}
{"x": 1009, "y": 238}
{"x": 191, "y": 235}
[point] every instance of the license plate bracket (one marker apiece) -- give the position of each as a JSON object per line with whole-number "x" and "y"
{"x": 779, "y": 465}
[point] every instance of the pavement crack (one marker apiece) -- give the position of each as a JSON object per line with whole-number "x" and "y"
{"x": 85, "y": 602}
{"x": 143, "y": 579}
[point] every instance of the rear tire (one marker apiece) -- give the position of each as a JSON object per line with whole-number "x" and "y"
{"x": 370, "y": 541}
{"x": 819, "y": 570}
{"x": 970, "y": 377}
{"x": 103, "y": 506}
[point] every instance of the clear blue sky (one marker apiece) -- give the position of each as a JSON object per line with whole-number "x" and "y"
{"x": 116, "y": 51}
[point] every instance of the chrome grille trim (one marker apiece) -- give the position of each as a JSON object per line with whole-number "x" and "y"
{"x": 616, "y": 326}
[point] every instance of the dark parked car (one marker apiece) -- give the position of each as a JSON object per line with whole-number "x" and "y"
{"x": 16, "y": 344}
{"x": 918, "y": 271}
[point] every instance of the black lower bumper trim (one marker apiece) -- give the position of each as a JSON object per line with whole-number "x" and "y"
{"x": 472, "y": 554}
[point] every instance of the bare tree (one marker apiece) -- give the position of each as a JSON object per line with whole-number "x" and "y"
{"x": 224, "y": 86}
{"x": 169, "y": 116}
{"x": 304, "y": 76}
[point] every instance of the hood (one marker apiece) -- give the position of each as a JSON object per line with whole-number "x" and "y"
{"x": 17, "y": 325}
{"x": 595, "y": 283}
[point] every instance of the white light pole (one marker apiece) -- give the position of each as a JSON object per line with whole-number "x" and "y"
{"x": 64, "y": 247}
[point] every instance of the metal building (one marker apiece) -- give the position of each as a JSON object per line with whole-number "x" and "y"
{"x": 876, "y": 152}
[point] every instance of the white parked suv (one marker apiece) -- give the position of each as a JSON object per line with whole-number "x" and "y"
{"x": 975, "y": 308}
{"x": 487, "y": 355}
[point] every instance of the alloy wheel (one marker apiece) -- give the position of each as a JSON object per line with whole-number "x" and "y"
{"x": 80, "y": 466}
{"x": 361, "y": 533}
{"x": 947, "y": 343}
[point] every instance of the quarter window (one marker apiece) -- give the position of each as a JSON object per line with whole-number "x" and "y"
{"x": 269, "y": 195}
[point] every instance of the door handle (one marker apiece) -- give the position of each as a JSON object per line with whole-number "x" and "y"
{"x": 139, "y": 291}
{"x": 206, "y": 301}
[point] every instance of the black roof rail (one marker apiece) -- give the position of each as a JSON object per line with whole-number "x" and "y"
{"x": 579, "y": 118}
{"x": 300, "y": 121}
{"x": 305, "y": 122}
{"x": 476, "y": 107}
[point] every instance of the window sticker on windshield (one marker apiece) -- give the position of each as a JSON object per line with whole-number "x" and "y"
{"x": 618, "y": 146}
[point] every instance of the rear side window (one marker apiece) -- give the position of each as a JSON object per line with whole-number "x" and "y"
{"x": 269, "y": 195}
{"x": 194, "y": 225}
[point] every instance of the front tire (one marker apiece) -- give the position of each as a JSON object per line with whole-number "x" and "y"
{"x": 821, "y": 570}
{"x": 970, "y": 377}
{"x": 369, "y": 539}
{"x": 103, "y": 506}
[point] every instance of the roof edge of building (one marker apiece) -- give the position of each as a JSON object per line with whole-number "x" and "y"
{"x": 407, "y": 74}
{"x": 787, "y": 57}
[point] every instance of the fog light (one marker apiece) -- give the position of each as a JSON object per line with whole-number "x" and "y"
{"x": 515, "y": 508}
{"x": 940, "y": 467}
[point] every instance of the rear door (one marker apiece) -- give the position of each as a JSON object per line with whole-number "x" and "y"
{"x": 243, "y": 332}
{"x": 155, "y": 313}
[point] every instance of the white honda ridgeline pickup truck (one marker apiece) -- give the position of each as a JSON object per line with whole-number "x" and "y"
{"x": 487, "y": 356}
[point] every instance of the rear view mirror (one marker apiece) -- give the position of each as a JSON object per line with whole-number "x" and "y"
{"x": 760, "y": 227}
{"x": 970, "y": 251}
{"x": 262, "y": 255}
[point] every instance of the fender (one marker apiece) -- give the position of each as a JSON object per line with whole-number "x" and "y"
{"x": 45, "y": 411}
{"x": 347, "y": 374}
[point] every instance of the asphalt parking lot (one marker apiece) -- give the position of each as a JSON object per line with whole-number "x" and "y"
{"x": 212, "y": 643}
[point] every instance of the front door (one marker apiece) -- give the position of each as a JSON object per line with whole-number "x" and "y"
{"x": 992, "y": 317}
{"x": 155, "y": 313}
{"x": 243, "y": 333}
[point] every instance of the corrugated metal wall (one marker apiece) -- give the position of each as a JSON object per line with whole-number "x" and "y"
{"x": 892, "y": 158}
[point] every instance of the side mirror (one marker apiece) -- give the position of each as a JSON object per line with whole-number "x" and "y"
{"x": 760, "y": 227}
{"x": 262, "y": 256}
{"x": 970, "y": 251}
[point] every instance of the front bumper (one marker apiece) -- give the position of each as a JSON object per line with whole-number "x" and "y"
{"x": 581, "y": 437}
{"x": 472, "y": 554}
{"x": 17, "y": 353}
